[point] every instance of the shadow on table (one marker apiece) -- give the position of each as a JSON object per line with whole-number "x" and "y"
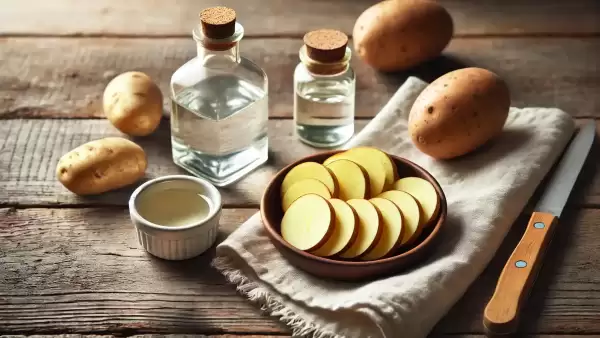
{"x": 427, "y": 71}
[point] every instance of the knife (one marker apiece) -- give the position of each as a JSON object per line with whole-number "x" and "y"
{"x": 518, "y": 276}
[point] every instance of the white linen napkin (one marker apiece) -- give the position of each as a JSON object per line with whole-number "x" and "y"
{"x": 485, "y": 192}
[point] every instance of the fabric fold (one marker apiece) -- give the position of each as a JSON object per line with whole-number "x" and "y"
{"x": 485, "y": 191}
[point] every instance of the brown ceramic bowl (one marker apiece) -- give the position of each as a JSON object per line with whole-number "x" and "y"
{"x": 270, "y": 208}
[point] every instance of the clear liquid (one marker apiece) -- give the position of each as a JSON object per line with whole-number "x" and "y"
{"x": 219, "y": 128}
{"x": 324, "y": 112}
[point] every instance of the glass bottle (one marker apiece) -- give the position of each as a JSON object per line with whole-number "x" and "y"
{"x": 219, "y": 104}
{"x": 324, "y": 90}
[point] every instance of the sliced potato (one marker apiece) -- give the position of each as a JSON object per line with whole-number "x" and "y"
{"x": 309, "y": 170}
{"x": 344, "y": 231}
{"x": 304, "y": 187}
{"x": 423, "y": 192}
{"x": 411, "y": 214}
{"x": 352, "y": 179}
{"x": 369, "y": 228}
{"x": 373, "y": 167}
{"x": 332, "y": 158}
{"x": 392, "y": 229}
{"x": 391, "y": 171}
{"x": 308, "y": 222}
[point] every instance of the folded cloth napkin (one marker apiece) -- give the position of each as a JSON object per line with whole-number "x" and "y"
{"x": 485, "y": 192}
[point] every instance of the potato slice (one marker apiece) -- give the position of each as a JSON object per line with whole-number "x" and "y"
{"x": 304, "y": 187}
{"x": 309, "y": 170}
{"x": 372, "y": 166}
{"x": 424, "y": 193}
{"x": 332, "y": 158}
{"x": 344, "y": 230}
{"x": 391, "y": 171}
{"x": 411, "y": 214}
{"x": 369, "y": 228}
{"x": 352, "y": 179}
{"x": 308, "y": 222}
{"x": 392, "y": 229}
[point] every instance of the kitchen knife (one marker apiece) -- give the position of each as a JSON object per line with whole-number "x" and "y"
{"x": 519, "y": 274}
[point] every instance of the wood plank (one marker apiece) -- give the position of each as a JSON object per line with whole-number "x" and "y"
{"x": 273, "y": 336}
{"x": 98, "y": 279}
{"x": 30, "y": 149}
{"x": 154, "y": 336}
{"x": 80, "y": 270}
{"x": 39, "y": 79}
{"x": 280, "y": 17}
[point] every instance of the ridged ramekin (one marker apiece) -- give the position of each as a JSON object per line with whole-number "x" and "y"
{"x": 178, "y": 242}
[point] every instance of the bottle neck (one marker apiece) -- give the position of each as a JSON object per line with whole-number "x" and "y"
{"x": 218, "y": 53}
{"x": 215, "y": 55}
{"x": 325, "y": 69}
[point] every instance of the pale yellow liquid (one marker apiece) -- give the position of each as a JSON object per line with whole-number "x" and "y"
{"x": 173, "y": 207}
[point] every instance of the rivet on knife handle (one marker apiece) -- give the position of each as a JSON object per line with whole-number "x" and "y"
{"x": 518, "y": 276}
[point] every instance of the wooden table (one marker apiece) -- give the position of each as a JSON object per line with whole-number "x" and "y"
{"x": 71, "y": 265}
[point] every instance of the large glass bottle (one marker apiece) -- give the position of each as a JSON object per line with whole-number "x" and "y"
{"x": 219, "y": 104}
{"x": 324, "y": 90}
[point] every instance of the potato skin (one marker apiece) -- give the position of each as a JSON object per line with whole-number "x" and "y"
{"x": 395, "y": 35}
{"x": 133, "y": 103}
{"x": 459, "y": 112}
{"x": 101, "y": 165}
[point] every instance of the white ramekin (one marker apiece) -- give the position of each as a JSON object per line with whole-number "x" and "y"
{"x": 177, "y": 243}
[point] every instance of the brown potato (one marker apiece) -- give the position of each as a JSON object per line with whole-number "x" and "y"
{"x": 395, "y": 35}
{"x": 459, "y": 112}
{"x": 101, "y": 165}
{"x": 133, "y": 103}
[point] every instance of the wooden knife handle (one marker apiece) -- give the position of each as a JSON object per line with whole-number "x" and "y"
{"x": 518, "y": 276}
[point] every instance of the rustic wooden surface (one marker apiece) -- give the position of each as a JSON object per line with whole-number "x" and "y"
{"x": 38, "y": 79}
{"x": 284, "y": 17}
{"x": 71, "y": 267}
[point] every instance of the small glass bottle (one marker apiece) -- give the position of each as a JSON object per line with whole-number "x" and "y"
{"x": 324, "y": 87}
{"x": 219, "y": 104}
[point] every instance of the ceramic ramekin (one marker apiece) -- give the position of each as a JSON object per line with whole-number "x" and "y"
{"x": 183, "y": 242}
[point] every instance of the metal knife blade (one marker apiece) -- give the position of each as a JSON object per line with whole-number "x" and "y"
{"x": 557, "y": 192}
{"x": 518, "y": 276}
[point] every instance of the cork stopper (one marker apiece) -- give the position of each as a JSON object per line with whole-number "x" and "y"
{"x": 218, "y": 22}
{"x": 326, "y": 45}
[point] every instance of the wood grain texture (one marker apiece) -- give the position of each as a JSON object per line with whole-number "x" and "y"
{"x": 38, "y": 79}
{"x": 30, "y": 150}
{"x": 81, "y": 270}
{"x": 271, "y": 336}
{"x": 72, "y": 335}
{"x": 281, "y": 17}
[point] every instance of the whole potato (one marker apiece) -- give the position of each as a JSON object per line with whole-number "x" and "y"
{"x": 459, "y": 112}
{"x": 101, "y": 165}
{"x": 133, "y": 103}
{"x": 395, "y": 35}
